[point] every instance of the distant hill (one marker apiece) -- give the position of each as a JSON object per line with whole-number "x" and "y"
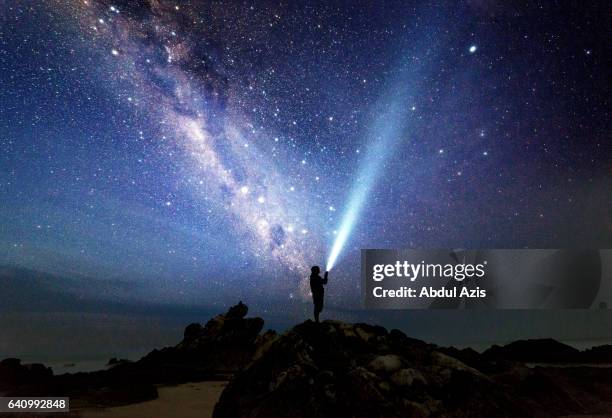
{"x": 547, "y": 350}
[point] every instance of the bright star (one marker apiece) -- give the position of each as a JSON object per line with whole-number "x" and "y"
{"x": 473, "y": 49}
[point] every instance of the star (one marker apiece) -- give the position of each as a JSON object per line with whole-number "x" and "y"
{"x": 226, "y": 138}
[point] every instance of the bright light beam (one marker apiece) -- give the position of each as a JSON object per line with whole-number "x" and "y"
{"x": 383, "y": 136}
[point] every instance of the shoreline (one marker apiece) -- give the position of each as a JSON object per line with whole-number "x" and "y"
{"x": 194, "y": 399}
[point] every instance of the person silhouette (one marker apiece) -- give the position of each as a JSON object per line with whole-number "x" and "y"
{"x": 316, "y": 287}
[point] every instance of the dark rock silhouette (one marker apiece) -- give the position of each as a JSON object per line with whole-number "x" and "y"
{"x": 599, "y": 354}
{"x": 114, "y": 361}
{"x": 224, "y": 345}
{"x": 237, "y": 311}
{"x": 544, "y": 350}
{"x": 15, "y": 376}
{"x": 336, "y": 369}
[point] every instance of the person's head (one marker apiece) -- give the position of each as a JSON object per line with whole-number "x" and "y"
{"x": 315, "y": 270}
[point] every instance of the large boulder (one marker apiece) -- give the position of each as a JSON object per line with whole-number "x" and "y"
{"x": 17, "y": 378}
{"x": 225, "y": 344}
{"x": 335, "y": 369}
{"x": 598, "y": 354}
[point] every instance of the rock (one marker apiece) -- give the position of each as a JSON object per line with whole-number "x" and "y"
{"x": 475, "y": 360}
{"x": 449, "y": 363}
{"x": 114, "y": 361}
{"x": 544, "y": 350}
{"x": 23, "y": 379}
{"x": 225, "y": 344}
{"x": 237, "y": 311}
{"x": 263, "y": 342}
{"x": 192, "y": 332}
{"x": 599, "y": 354}
{"x": 385, "y": 364}
{"x": 335, "y": 369}
{"x": 407, "y": 377}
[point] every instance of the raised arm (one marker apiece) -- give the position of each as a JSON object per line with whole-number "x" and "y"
{"x": 324, "y": 281}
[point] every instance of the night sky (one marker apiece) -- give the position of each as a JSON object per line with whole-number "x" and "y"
{"x": 202, "y": 152}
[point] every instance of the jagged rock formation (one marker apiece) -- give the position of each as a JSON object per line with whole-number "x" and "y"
{"x": 544, "y": 350}
{"x": 14, "y": 375}
{"x": 547, "y": 350}
{"x": 599, "y": 354}
{"x": 224, "y": 345}
{"x": 334, "y": 369}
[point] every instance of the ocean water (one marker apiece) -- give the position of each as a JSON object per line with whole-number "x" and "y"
{"x": 62, "y": 367}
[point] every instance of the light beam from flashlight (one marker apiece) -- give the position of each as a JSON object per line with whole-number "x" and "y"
{"x": 383, "y": 136}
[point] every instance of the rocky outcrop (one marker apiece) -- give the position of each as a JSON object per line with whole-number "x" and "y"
{"x": 15, "y": 376}
{"x": 598, "y": 354}
{"x": 334, "y": 369}
{"x": 224, "y": 345}
{"x": 544, "y": 350}
{"x": 114, "y": 361}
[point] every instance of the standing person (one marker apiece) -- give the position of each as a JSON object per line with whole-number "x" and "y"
{"x": 316, "y": 287}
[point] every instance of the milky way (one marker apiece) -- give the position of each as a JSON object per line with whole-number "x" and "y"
{"x": 210, "y": 149}
{"x": 243, "y": 182}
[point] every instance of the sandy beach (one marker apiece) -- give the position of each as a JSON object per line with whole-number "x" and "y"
{"x": 186, "y": 400}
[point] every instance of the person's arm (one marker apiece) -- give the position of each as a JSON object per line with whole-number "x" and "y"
{"x": 324, "y": 281}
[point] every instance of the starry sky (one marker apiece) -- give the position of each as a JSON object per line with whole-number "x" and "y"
{"x": 203, "y": 152}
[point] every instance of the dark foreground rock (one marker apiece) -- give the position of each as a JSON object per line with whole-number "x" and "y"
{"x": 544, "y": 350}
{"x": 599, "y": 354}
{"x": 547, "y": 350}
{"x": 14, "y": 375}
{"x": 334, "y": 369}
